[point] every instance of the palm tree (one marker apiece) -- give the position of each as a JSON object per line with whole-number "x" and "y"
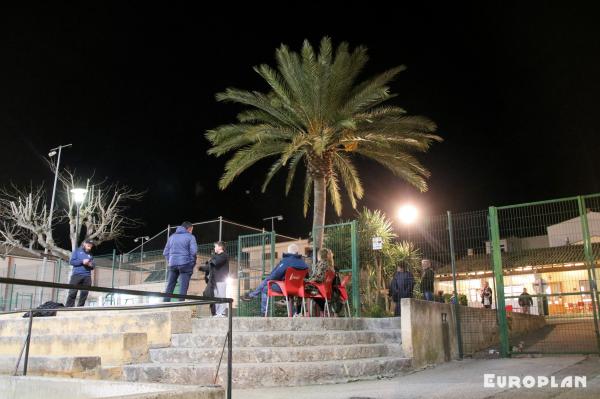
{"x": 317, "y": 114}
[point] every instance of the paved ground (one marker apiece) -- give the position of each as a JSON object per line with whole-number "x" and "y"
{"x": 458, "y": 379}
{"x": 565, "y": 336}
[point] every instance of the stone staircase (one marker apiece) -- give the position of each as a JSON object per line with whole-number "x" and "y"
{"x": 278, "y": 352}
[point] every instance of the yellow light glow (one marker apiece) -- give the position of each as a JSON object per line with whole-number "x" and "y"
{"x": 407, "y": 214}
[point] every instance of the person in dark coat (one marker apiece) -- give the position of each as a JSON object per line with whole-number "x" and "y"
{"x": 427, "y": 280}
{"x": 217, "y": 271}
{"x": 401, "y": 286}
{"x": 180, "y": 253}
{"x": 83, "y": 264}
{"x": 525, "y": 301}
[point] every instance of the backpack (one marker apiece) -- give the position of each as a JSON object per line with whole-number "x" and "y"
{"x": 46, "y": 313}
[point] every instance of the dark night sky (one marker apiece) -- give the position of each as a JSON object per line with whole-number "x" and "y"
{"x": 513, "y": 88}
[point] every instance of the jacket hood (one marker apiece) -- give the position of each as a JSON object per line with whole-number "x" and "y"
{"x": 180, "y": 230}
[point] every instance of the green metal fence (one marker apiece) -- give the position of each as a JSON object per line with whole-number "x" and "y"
{"x": 545, "y": 267}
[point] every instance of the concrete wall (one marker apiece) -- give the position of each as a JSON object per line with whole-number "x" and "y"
{"x": 426, "y": 338}
{"x": 429, "y": 340}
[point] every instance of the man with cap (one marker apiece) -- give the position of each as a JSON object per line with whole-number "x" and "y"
{"x": 180, "y": 253}
{"x": 83, "y": 264}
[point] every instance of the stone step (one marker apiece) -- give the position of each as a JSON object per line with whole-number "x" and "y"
{"x": 288, "y": 338}
{"x": 276, "y": 354}
{"x": 250, "y": 375}
{"x": 158, "y": 325}
{"x": 208, "y": 324}
{"x": 55, "y": 366}
{"x": 113, "y": 349}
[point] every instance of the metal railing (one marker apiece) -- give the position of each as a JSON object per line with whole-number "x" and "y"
{"x": 194, "y": 301}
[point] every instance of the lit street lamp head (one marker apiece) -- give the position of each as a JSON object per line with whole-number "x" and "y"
{"x": 407, "y": 214}
{"x": 79, "y": 195}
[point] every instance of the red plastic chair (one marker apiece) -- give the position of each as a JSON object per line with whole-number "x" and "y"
{"x": 292, "y": 285}
{"x": 344, "y": 293}
{"x": 325, "y": 290}
{"x": 580, "y": 307}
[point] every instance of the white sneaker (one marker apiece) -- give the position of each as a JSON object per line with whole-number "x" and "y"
{"x": 297, "y": 315}
{"x": 219, "y": 315}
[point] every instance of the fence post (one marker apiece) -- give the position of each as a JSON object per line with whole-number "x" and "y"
{"x": 456, "y": 295}
{"x": 273, "y": 237}
{"x": 355, "y": 268}
{"x": 220, "y": 228}
{"x": 499, "y": 278}
{"x": 57, "y": 291}
{"x": 589, "y": 258}
{"x": 114, "y": 260}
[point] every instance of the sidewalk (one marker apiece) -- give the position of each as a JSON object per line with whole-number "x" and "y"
{"x": 458, "y": 379}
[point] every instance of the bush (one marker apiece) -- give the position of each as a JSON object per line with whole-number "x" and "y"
{"x": 377, "y": 311}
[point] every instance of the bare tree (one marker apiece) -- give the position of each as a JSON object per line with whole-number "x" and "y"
{"x": 24, "y": 221}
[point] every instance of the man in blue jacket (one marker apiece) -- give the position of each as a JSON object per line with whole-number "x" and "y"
{"x": 180, "y": 253}
{"x": 290, "y": 259}
{"x": 83, "y": 264}
{"x": 402, "y": 286}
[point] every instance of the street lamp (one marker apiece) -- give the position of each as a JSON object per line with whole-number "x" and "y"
{"x": 78, "y": 197}
{"x": 272, "y": 218}
{"x": 51, "y": 153}
{"x": 142, "y": 239}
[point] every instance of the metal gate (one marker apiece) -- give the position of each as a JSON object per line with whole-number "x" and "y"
{"x": 256, "y": 258}
{"x": 544, "y": 260}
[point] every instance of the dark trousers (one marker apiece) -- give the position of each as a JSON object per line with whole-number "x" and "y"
{"x": 175, "y": 272}
{"x": 78, "y": 280}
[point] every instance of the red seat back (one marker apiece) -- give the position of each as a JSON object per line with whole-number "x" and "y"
{"x": 294, "y": 281}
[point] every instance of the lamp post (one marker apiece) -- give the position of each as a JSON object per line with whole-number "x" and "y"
{"x": 51, "y": 153}
{"x": 142, "y": 239}
{"x": 272, "y": 218}
{"x": 79, "y": 195}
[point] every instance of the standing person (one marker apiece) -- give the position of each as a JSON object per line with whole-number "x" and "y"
{"x": 486, "y": 295}
{"x": 180, "y": 253}
{"x": 218, "y": 271}
{"x": 83, "y": 264}
{"x": 401, "y": 286}
{"x": 525, "y": 301}
{"x": 290, "y": 259}
{"x": 427, "y": 280}
{"x": 454, "y": 298}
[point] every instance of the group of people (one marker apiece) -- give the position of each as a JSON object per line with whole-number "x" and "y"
{"x": 293, "y": 259}
{"x": 180, "y": 254}
{"x": 403, "y": 283}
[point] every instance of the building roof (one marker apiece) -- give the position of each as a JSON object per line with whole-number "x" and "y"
{"x": 523, "y": 258}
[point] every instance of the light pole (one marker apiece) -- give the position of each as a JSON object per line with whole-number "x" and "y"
{"x": 51, "y": 153}
{"x": 272, "y": 218}
{"x": 78, "y": 197}
{"x": 142, "y": 239}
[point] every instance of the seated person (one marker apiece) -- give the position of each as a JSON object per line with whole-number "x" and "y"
{"x": 317, "y": 274}
{"x": 290, "y": 259}
{"x": 439, "y": 297}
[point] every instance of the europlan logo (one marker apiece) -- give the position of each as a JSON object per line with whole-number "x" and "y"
{"x": 530, "y": 381}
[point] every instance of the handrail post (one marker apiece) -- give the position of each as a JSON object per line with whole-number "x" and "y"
{"x": 229, "y": 349}
{"x": 26, "y": 362}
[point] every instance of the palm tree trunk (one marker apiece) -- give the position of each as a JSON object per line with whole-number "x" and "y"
{"x": 320, "y": 198}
